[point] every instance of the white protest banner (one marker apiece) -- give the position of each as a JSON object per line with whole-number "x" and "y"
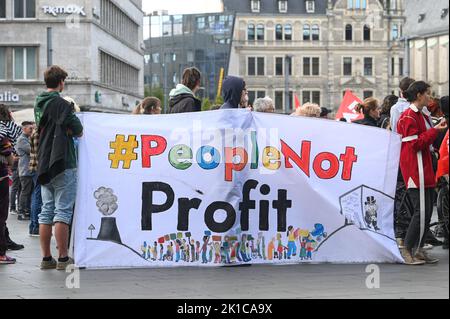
{"x": 232, "y": 186}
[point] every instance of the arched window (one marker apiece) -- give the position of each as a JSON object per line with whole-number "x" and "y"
{"x": 306, "y": 32}
{"x": 288, "y": 32}
{"x": 260, "y": 32}
{"x": 251, "y": 32}
{"x": 394, "y": 35}
{"x": 315, "y": 32}
{"x": 366, "y": 33}
{"x": 279, "y": 32}
{"x": 348, "y": 32}
{"x": 358, "y": 4}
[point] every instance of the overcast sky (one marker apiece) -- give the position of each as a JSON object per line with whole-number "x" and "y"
{"x": 182, "y": 6}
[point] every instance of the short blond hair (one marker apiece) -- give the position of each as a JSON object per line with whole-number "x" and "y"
{"x": 308, "y": 110}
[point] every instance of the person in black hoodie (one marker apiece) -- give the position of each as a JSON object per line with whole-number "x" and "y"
{"x": 182, "y": 99}
{"x": 57, "y": 163}
{"x": 234, "y": 93}
{"x": 371, "y": 110}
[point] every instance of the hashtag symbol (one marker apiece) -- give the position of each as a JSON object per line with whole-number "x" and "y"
{"x": 123, "y": 151}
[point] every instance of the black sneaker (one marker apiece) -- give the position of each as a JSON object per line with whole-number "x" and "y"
{"x": 22, "y": 217}
{"x": 13, "y": 211}
{"x": 445, "y": 244}
{"x": 13, "y": 246}
{"x": 34, "y": 232}
{"x": 433, "y": 241}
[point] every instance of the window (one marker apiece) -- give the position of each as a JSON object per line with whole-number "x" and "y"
{"x": 288, "y": 32}
{"x": 25, "y": 63}
{"x": 366, "y": 33}
{"x": 279, "y": 100}
{"x": 311, "y": 97}
{"x": 358, "y": 4}
{"x": 251, "y": 32}
{"x": 306, "y": 32}
{"x": 306, "y": 66}
{"x": 147, "y": 58}
{"x": 116, "y": 21}
{"x": 2, "y": 63}
{"x": 260, "y": 32}
{"x": 255, "y": 66}
{"x": 278, "y": 66}
{"x": 155, "y": 57}
{"x": 315, "y": 32}
{"x": 311, "y": 66}
{"x": 368, "y": 67}
{"x": 315, "y": 66}
{"x": 394, "y": 33}
{"x": 201, "y": 23}
{"x": 393, "y": 66}
{"x": 279, "y": 32}
{"x": 400, "y": 67}
{"x": 348, "y": 32}
{"x": 349, "y": 4}
{"x": 283, "y": 6}
{"x": 155, "y": 80}
{"x": 2, "y": 9}
{"x": 255, "y": 5}
{"x": 24, "y": 8}
{"x": 364, "y": 4}
{"x": 310, "y": 6}
{"x": 117, "y": 73}
{"x": 347, "y": 66}
{"x": 367, "y": 94}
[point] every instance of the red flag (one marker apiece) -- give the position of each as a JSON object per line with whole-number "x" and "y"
{"x": 297, "y": 101}
{"x": 347, "y": 108}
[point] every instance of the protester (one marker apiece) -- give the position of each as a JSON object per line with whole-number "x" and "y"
{"x": 415, "y": 161}
{"x": 182, "y": 99}
{"x": 370, "y": 107}
{"x": 149, "y": 106}
{"x": 402, "y": 104}
{"x": 23, "y": 149}
{"x": 264, "y": 105}
{"x": 11, "y": 131}
{"x": 36, "y": 197}
{"x": 308, "y": 110}
{"x": 6, "y": 159}
{"x": 385, "y": 115}
{"x": 234, "y": 93}
{"x": 56, "y": 166}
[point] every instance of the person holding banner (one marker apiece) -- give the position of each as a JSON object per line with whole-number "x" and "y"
{"x": 235, "y": 93}
{"x": 417, "y": 170}
{"x": 182, "y": 98}
{"x": 371, "y": 109}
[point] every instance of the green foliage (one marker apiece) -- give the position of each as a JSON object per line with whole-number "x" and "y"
{"x": 219, "y": 100}
{"x": 206, "y": 104}
{"x": 156, "y": 92}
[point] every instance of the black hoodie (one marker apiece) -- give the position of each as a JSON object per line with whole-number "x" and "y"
{"x": 232, "y": 92}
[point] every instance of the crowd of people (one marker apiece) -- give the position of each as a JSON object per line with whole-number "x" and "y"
{"x": 40, "y": 157}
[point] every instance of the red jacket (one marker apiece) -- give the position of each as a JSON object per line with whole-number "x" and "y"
{"x": 443, "y": 161}
{"x": 412, "y": 122}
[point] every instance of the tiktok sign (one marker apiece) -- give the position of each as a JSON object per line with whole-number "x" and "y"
{"x": 230, "y": 187}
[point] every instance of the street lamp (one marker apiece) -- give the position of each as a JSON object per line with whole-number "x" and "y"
{"x": 287, "y": 67}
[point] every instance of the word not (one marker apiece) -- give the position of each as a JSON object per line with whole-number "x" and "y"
{"x": 325, "y": 165}
{"x": 185, "y": 205}
{"x": 9, "y": 97}
{"x": 70, "y": 9}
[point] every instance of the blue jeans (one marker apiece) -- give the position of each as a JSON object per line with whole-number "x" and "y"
{"x": 36, "y": 204}
{"x": 292, "y": 249}
{"x": 58, "y": 198}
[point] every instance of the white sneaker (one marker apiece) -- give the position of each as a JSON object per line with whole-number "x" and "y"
{"x": 428, "y": 247}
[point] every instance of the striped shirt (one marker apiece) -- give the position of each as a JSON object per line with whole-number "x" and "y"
{"x": 10, "y": 130}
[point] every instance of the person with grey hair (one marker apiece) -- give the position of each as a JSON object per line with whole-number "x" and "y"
{"x": 264, "y": 105}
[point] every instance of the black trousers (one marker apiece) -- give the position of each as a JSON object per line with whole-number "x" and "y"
{"x": 4, "y": 205}
{"x": 412, "y": 239}
{"x": 15, "y": 190}
{"x": 26, "y": 184}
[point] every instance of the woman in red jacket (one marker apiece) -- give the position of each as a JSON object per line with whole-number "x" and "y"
{"x": 416, "y": 165}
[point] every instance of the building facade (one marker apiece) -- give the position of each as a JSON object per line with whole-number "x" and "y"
{"x": 317, "y": 49}
{"x": 181, "y": 41}
{"x": 426, "y": 34}
{"x": 98, "y": 42}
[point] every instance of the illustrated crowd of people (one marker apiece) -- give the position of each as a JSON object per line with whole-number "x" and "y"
{"x": 40, "y": 158}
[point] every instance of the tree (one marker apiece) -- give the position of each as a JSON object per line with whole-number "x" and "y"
{"x": 206, "y": 104}
{"x": 156, "y": 92}
{"x": 219, "y": 100}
